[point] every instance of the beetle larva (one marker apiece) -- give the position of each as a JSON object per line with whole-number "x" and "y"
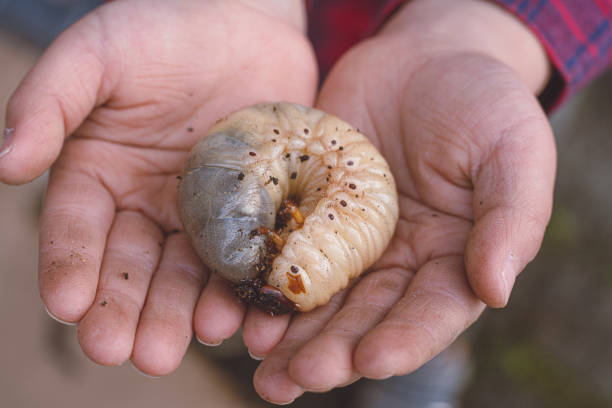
{"x": 288, "y": 203}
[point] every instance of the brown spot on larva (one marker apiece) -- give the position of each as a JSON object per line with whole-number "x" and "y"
{"x": 51, "y": 242}
{"x": 274, "y": 180}
{"x": 126, "y": 275}
{"x": 343, "y": 203}
{"x": 179, "y": 178}
{"x": 333, "y": 142}
{"x": 318, "y": 188}
{"x": 349, "y": 163}
{"x": 276, "y": 131}
{"x": 273, "y": 140}
{"x": 274, "y": 109}
{"x": 434, "y": 215}
{"x": 104, "y": 303}
{"x": 306, "y": 131}
{"x": 252, "y": 154}
{"x": 352, "y": 186}
{"x": 341, "y": 148}
{"x": 293, "y": 175}
{"x": 190, "y": 129}
{"x": 480, "y": 202}
{"x": 304, "y": 157}
{"x": 295, "y": 284}
{"x": 287, "y": 155}
{"x": 241, "y": 176}
{"x": 331, "y": 216}
{"x": 294, "y": 269}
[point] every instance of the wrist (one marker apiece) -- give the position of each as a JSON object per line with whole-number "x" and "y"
{"x": 473, "y": 26}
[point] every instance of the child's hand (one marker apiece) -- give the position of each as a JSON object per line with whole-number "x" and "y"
{"x": 446, "y": 93}
{"x": 134, "y": 85}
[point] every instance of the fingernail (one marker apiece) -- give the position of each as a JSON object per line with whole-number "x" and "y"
{"x": 255, "y": 357}
{"x": 57, "y": 319}
{"x": 509, "y": 272}
{"x": 285, "y": 403}
{"x": 208, "y": 344}
{"x": 140, "y": 372}
{"x": 7, "y": 141}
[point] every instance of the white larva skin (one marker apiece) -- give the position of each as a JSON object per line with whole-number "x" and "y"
{"x": 343, "y": 186}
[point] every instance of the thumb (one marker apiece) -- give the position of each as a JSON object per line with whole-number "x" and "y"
{"x": 513, "y": 191}
{"x": 51, "y": 102}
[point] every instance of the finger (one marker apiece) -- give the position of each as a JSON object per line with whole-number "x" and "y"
{"x": 272, "y": 380}
{"x": 262, "y": 332}
{"x": 326, "y": 361}
{"x": 513, "y": 193}
{"x": 218, "y": 314}
{"x": 51, "y": 102}
{"x": 165, "y": 326}
{"x": 77, "y": 215}
{"x": 438, "y": 305}
{"x": 107, "y": 331}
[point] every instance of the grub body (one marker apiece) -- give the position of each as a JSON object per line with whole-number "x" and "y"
{"x": 241, "y": 173}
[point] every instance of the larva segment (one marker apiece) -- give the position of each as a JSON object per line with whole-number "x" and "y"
{"x": 342, "y": 185}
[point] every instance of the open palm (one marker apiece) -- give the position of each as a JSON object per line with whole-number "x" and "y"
{"x": 137, "y": 82}
{"x": 474, "y": 161}
{"x": 112, "y": 256}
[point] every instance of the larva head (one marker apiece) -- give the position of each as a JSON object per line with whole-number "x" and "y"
{"x": 220, "y": 207}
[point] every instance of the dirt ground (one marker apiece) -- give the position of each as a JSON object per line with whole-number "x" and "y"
{"x": 549, "y": 348}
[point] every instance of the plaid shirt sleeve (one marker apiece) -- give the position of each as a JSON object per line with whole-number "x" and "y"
{"x": 577, "y": 34}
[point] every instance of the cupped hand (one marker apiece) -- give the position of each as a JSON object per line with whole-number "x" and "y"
{"x": 474, "y": 161}
{"x": 121, "y": 97}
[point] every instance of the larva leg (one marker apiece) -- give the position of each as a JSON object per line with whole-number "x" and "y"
{"x": 272, "y": 236}
{"x": 294, "y": 211}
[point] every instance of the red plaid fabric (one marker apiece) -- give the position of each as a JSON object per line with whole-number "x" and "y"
{"x": 577, "y": 35}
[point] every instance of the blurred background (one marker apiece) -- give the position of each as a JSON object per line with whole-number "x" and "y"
{"x": 552, "y": 347}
